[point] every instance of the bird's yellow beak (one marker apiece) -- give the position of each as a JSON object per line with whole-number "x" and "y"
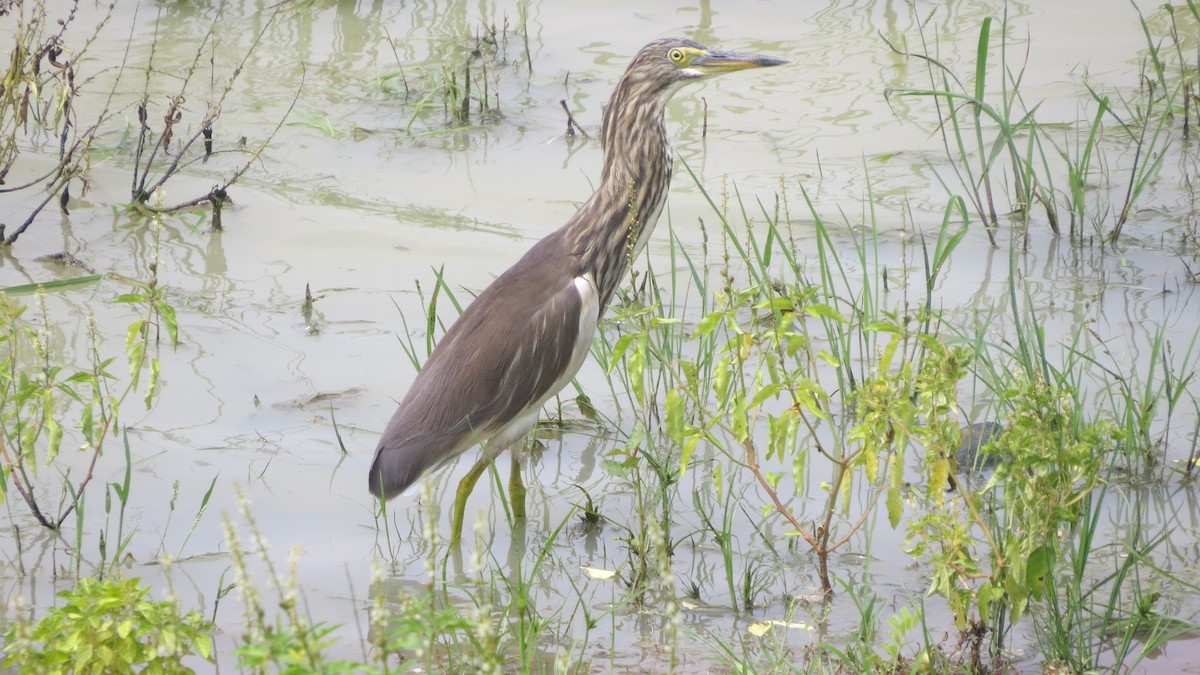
{"x": 715, "y": 62}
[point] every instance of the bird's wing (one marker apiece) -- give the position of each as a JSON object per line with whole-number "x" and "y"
{"x": 519, "y": 342}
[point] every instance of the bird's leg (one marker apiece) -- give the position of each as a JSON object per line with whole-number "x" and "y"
{"x": 516, "y": 489}
{"x": 465, "y": 487}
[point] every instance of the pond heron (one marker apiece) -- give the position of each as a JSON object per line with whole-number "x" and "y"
{"x": 526, "y": 335}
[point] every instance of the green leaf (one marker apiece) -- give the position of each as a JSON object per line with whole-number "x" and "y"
{"x": 981, "y": 58}
{"x": 823, "y": 311}
{"x": 798, "y": 463}
{"x": 54, "y": 434}
{"x": 885, "y": 360}
{"x": 618, "y": 351}
{"x": 29, "y": 434}
{"x": 135, "y": 354}
{"x": 690, "y": 373}
{"x": 809, "y": 394}
{"x": 685, "y": 455}
{"x": 776, "y": 304}
{"x": 87, "y": 423}
{"x": 829, "y": 358}
{"x": 708, "y": 324}
{"x": 152, "y": 389}
{"x": 739, "y": 420}
{"x": 636, "y": 367}
{"x": 204, "y": 646}
{"x": 881, "y": 327}
{"x": 168, "y": 315}
{"x": 1037, "y": 568}
{"x": 895, "y": 500}
{"x": 794, "y": 343}
{"x": 615, "y": 468}
{"x": 721, "y": 379}
{"x": 776, "y": 434}
{"x": 675, "y": 413}
{"x": 846, "y": 490}
{"x": 939, "y": 475}
{"x": 53, "y": 286}
{"x": 105, "y": 655}
{"x": 768, "y": 391}
{"x": 870, "y": 462}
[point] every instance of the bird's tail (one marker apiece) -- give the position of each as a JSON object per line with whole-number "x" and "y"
{"x": 392, "y": 473}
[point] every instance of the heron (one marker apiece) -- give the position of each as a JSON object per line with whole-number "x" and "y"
{"x": 526, "y": 335}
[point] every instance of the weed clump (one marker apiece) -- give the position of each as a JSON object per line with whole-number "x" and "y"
{"x": 108, "y": 627}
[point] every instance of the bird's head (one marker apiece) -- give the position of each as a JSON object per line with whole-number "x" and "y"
{"x": 633, "y": 118}
{"x": 671, "y": 62}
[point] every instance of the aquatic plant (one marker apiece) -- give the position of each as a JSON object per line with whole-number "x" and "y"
{"x": 47, "y": 90}
{"x": 106, "y": 627}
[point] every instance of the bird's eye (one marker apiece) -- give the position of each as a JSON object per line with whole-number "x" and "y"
{"x": 675, "y": 55}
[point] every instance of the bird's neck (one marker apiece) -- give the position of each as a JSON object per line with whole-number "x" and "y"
{"x": 634, "y": 138}
{"x": 619, "y": 217}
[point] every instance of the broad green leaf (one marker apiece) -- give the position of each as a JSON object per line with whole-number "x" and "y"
{"x": 738, "y": 419}
{"x": 885, "y": 361}
{"x": 721, "y": 379}
{"x": 768, "y": 391}
{"x": 155, "y": 369}
{"x": 168, "y": 315}
{"x": 618, "y": 351}
{"x": 775, "y": 303}
{"x": 881, "y": 327}
{"x": 29, "y": 435}
{"x": 776, "y": 435}
{"x": 204, "y": 646}
{"x": 810, "y": 395}
{"x": 708, "y": 324}
{"x": 136, "y": 352}
{"x": 870, "y": 461}
{"x": 798, "y": 469}
{"x": 939, "y": 474}
{"x": 675, "y": 412}
{"x": 823, "y": 311}
{"x": 795, "y": 342}
{"x": 54, "y": 434}
{"x": 87, "y": 423}
{"x": 1037, "y": 569}
{"x": 829, "y": 358}
{"x": 615, "y": 468}
{"x": 636, "y": 367}
{"x": 685, "y": 454}
{"x": 690, "y": 373}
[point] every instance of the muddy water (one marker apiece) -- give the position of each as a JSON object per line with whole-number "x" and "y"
{"x": 363, "y": 192}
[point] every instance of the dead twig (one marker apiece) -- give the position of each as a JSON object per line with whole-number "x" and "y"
{"x": 572, "y": 125}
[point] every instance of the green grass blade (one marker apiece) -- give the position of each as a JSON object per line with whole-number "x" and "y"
{"x": 54, "y": 286}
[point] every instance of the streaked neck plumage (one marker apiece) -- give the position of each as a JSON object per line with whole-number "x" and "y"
{"x": 611, "y": 228}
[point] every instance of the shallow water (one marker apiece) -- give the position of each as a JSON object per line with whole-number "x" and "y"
{"x": 363, "y": 213}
